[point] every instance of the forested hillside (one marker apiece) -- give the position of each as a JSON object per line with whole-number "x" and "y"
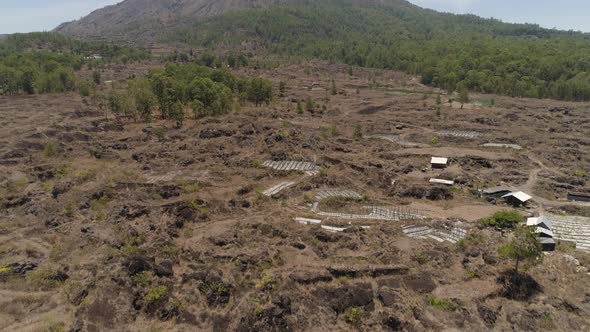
{"x": 46, "y": 62}
{"x": 446, "y": 50}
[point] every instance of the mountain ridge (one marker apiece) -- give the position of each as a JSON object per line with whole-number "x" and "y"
{"x": 102, "y": 22}
{"x": 111, "y": 21}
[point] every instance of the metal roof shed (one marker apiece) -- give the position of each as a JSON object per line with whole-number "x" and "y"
{"x": 439, "y": 162}
{"x": 497, "y": 190}
{"x": 517, "y": 198}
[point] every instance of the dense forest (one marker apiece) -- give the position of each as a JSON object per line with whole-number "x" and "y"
{"x": 448, "y": 51}
{"x": 46, "y": 62}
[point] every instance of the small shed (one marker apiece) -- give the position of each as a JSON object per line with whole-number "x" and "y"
{"x": 544, "y": 229}
{"x": 517, "y": 198}
{"x": 439, "y": 162}
{"x": 496, "y": 192}
{"x": 577, "y": 197}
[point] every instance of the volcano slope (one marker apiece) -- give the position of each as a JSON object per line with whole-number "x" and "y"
{"x": 111, "y": 225}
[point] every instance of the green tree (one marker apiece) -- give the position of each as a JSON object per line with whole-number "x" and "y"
{"x": 208, "y": 59}
{"x": 9, "y": 79}
{"x": 115, "y": 103}
{"x": 260, "y": 91}
{"x": 215, "y": 97}
{"x": 524, "y": 247}
{"x": 232, "y": 60}
{"x": 198, "y": 108}
{"x": 96, "y": 77}
{"x": 309, "y": 105}
{"x": 28, "y": 78}
{"x": 463, "y": 96}
{"x": 299, "y": 107}
{"x": 177, "y": 113}
{"x": 101, "y": 102}
{"x": 143, "y": 98}
{"x": 358, "y": 132}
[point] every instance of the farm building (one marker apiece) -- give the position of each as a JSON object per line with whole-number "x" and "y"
{"x": 517, "y": 198}
{"x": 544, "y": 229}
{"x": 576, "y": 197}
{"x": 438, "y": 162}
{"x": 496, "y": 192}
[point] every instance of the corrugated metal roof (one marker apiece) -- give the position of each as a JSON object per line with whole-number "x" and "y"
{"x": 495, "y": 190}
{"x": 541, "y": 230}
{"x": 441, "y": 181}
{"x": 545, "y": 223}
{"x": 521, "y": 196}
{"x": 439, "y": 160}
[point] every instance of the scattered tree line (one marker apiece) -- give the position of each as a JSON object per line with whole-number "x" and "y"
{"x": 203, "y": 90}
{"x": 57, "y": 43}
{"x": 448, "y": 51}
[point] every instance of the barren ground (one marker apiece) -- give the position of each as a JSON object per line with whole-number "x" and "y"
{"x": 135, "y": 226}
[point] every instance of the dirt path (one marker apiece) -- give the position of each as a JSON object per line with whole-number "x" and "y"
{"x": 532, "y": 182}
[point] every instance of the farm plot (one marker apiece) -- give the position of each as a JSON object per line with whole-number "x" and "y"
{"x": 450, "y": 234}
{"x": 460, "y": 133}
{"x": 290, "y": 165}
{"x": 572, "y": 228}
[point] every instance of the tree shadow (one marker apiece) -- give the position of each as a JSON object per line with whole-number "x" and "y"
{"x": 518, "y": 286}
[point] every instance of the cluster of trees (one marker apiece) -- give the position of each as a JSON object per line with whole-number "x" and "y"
{"x": 448, "y": 51}
{"x": 206, "y": 91}
{"x": 46, "y": 62}
{"x": 231, "y": 60}
{"x": 38, "y": 72}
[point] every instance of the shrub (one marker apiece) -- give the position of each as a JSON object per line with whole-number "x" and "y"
{"x": 358, "y": 132}
{"x": 130, "y": 250}
{"x": 266, "y": 282}
{"x": 420, "y": 258}
{"x": 46, "y": 278}
{"x": 442, "y": 304}
{"x": 143, "y": 279}
{"x": 4, "y": 270}
{"x": 155, "y": 293}
{"x": 50, "y": 150}
{"x": 86, "y": 89}
{"x": 299, "y": 107}
{"x": 353, "y": 315}
{"x": 309, "y": 105}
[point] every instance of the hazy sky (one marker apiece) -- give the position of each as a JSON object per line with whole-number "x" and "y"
{"x": 562, "y": 14}
{"x": 42, "y": 15}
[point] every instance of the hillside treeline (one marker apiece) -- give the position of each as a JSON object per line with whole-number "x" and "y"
{"x": 448, "y": 51}
{"x": 46, "y": 62}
